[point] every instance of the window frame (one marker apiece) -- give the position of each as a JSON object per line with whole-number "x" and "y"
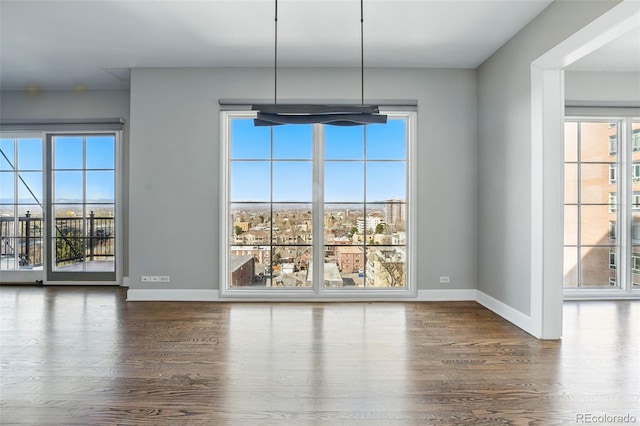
{"x": 318, "y": 290}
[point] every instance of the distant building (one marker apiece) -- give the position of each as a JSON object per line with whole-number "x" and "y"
{"x": 349, "y": 259}
{"x": 243, "y": 270}
{"x": 386, "y": 267}
{"x": 395, "y": 211}
{"x": 369, "y": 224}
{"x": 242, "y": 225}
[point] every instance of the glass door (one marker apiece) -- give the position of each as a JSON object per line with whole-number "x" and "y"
{"x": 21, "y": 198}
{"x": 81, "y": 194}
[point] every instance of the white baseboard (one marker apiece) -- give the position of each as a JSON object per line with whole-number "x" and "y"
{"x": 512, "y": 315}
{"x": 454, "y": 295}
{"x": 172, "y": 295}
{"x": 125, "y": 282}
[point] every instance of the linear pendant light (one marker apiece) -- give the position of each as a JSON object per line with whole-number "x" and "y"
{"x": 338, "y": 115}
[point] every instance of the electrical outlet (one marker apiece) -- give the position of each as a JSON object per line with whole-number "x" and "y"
{"x": 145, "y": 279}
{"x": 444, "y": 280}
{"x": 165, "y": 278}
{"x": 155, "y": 279}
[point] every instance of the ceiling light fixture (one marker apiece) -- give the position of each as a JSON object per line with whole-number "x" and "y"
{"x": 338, "y": 115}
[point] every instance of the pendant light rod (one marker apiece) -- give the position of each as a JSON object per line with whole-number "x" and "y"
{"x": 275, "y": 57}
{"x": 362, "y": 52}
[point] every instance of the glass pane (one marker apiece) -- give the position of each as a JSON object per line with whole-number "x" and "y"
{"x": 570, "y": 225}
{"x": 598, "y": 266}
{"x": 571, "y": 183}
{"x": 67, "y": 151}
{"x": 635, "y": 141}
{"x": 341, "y": 224}
{"x": 595, "y": 225}
{"x": 344, "y": 143}
{"x": 101, "y": 152}
{"x": 594, "y": 184}
{"x": 7, "y": 187}
{"x": 7, "y": 222}
{"x": 101, "y": 223}
{"x": 571, "y": 141}
{"x": 344, "y": 181}
{"x": 247, "y": 266}
{"x": 29, "y": 154}
{"x": 635, "y": 266}
{"x": 386, "y": 267}
{"x": 249, "y": 141}
{"x": 29, "y": 252}
{"x": 30, "y": 221}
{"x": 386, "y": 181}
{"x": 30, "y": 188}
{"x": 250, "y": 181}
{"x": 292, "y": 224}
{"x": 251, "y": 224}
{"x": 598, "y": 141}
{"x": 293, "y": 141}
{"x": 570, "y": 267}
{"x": 100, "y": 187}
{"x": 69, "y": 221}
{"x": 7, "y": 154}
{"x": 291, "y": 266}
{"x": 387, "y": 141}
{"x": 292, "y": 181}
{"x": 70, "y": 254}
{"x": 9, "y": 252}
{"x": 635, "y": 228}
{"x": 68, "y": 187}
{"x": 346, "y": 268}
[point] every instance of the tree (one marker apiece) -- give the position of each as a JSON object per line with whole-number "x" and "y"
{"x": 379, "y": 228}
{"x": 261, "y": 218}
{"x": 353, "y": 231}
{"x": 393, "y": 272}
{"x": 238, "y": 230}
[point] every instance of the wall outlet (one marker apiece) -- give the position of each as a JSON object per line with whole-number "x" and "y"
{"x": 165, "y": 278}
{"x": 145, "y": 278}
{"x": 155, "y": 279}
{"x": 445, "y": 280}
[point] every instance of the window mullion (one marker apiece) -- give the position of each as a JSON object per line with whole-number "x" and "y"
{"x": 318, "y": 208}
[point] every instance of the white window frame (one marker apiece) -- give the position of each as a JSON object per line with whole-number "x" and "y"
{"x": 621, "y": 203}
{"x": 317, "y": 292}
{"x": 613, "y": 173}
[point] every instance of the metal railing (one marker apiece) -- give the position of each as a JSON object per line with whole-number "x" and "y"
{"x": 76, "y": 239}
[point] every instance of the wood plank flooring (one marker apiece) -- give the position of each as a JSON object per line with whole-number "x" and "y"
{"x": 83, "y": 355}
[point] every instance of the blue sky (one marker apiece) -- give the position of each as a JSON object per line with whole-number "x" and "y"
{"x": 347, "y": 161}
{"x": 68, "y": 155}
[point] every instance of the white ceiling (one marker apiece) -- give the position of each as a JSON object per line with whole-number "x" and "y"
{"x": 54, "y": 44}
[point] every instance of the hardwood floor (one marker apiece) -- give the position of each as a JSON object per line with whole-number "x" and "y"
{"x": 85, "y": 356}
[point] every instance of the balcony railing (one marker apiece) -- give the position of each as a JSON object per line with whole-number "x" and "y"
{"x": 76, "y": 240}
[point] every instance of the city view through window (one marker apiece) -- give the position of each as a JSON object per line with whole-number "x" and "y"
{"x": 356, "y": 183}
{"x": 602, "y": 204}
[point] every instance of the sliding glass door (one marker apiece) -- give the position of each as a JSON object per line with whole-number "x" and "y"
{"x": 82, "y": 204}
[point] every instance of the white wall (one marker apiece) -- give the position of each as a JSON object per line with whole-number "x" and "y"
{"x": 504, "y": 117}
{"x": 69, "y": 105}
{"x": 174, "y": 207}
{"x": 600, "y": 88}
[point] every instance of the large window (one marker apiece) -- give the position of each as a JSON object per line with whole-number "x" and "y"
{"x": 298, "y": 196}
{"x": 602, "y": 195}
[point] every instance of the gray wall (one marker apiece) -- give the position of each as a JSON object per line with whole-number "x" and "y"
{"x": 69, "y": 105}
{"x": 504, "y": 156}
{"x": 174, "y": 157}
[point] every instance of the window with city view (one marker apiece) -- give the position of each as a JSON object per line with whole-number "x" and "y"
{"x": 345, "y": 186}
{"x": 601, "y": 204}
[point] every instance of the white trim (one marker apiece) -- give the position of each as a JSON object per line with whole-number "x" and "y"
{"x": 517, "y": 318}
{"x": 453, "y": 295}
{"x": 547, "y": 111}
{"x": 602, "y": 294}
{"x": 125, "y": 282}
